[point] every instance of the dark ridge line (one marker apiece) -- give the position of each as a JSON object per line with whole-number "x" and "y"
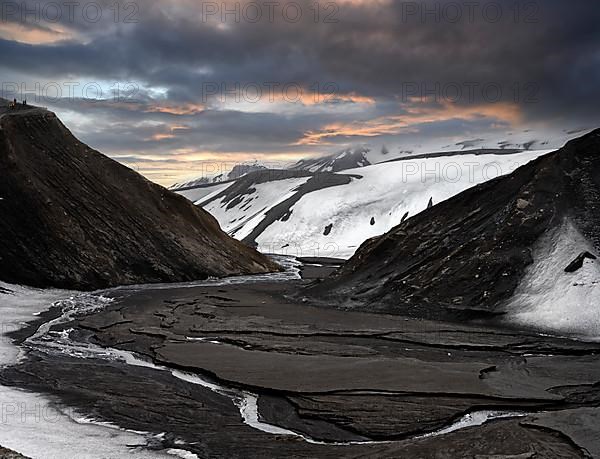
{"x": 242, "y": 185}
{"x": 319, "y": 181}
{"x": 385, "y": 336}
{"x": 476, "y": 152}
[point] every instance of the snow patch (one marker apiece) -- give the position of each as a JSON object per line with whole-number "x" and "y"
{"x": 182, "y": 453}
{"x": 553, "y": 300}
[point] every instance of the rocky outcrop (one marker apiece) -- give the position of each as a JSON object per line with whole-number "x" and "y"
{"x": 466, "y": 256}
{"x": 577, "y": 264}
{"x": 8, "y": 454}
{"x": 73, "y": 218}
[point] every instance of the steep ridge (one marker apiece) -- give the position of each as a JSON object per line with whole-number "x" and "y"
{"x": 468, "y": 256}
{"x": 73, "y": 218}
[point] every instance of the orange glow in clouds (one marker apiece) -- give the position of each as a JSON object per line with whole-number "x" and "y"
{"x": 32, "y": 36}
{"x": 506, "y": 112}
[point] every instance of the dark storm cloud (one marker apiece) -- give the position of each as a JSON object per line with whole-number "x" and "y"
{"x": 545, "y": 60}
{"x": 375, "y": 48}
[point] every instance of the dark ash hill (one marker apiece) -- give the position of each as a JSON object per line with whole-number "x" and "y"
{"x": 465, "y": 257}
{"x": 71, "y": 217}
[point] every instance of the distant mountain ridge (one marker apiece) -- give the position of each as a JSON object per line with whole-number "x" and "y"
{"x": 238, "y": 171}
{"x": 350, "y": 158}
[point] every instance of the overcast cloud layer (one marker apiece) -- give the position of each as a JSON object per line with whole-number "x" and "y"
{"x": 167, "y": 84}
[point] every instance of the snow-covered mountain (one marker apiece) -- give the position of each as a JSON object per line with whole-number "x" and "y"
{"x": 350, "y": 158}
{"x": 238, "y": 171}
{"x": 332, "y": 214}
{"x": 524, "y": 247}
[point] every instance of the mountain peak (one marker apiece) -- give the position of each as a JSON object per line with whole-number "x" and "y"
{"x": 349, "y": 158}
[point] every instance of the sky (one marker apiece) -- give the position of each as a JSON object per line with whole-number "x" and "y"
{"x": 178, "y": 88}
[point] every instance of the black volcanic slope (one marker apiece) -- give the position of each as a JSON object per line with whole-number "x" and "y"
{"x": 72, "y": 218}
{"x": 465, "y": 257}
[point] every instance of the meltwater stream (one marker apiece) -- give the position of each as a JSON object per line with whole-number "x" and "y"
{"x": 44, "y": 435}
{"x": 31, "y": 424}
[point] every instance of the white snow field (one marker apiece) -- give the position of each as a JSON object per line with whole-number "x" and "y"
{"x": 556, "y": 301}
{"x": 383, "y": 196}
{"x": 240, "y": 220}
{"x": 365, "y": 208}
